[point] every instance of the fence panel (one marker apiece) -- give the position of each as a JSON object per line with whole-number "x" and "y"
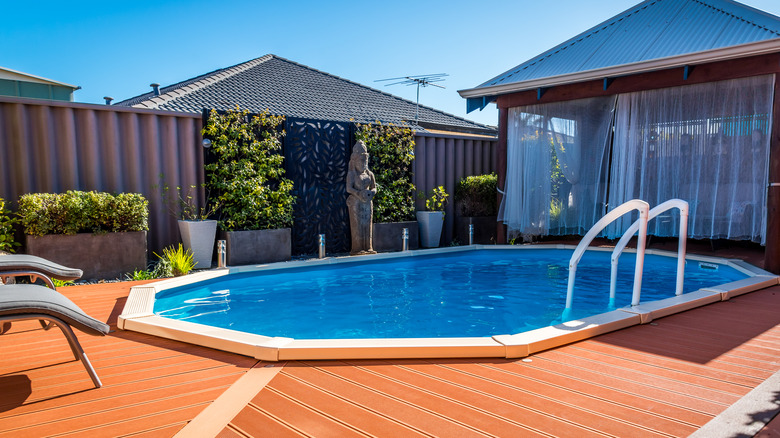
{"x": 316, "y": 158}
{"x": 58, "y": 146}
{"x": 53, "y": 147}
{"x": 442, "y": 160}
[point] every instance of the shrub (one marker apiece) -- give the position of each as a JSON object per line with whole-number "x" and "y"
{"x": 175, "y": 262}
{"x": 437, "y": 199}
{"x": 82, "y": 212}
{"x": 391, "y": 155}
{"x": 7, "y": 240}
{"x": 246, "y": 175}
{"x": 476, "y": 195}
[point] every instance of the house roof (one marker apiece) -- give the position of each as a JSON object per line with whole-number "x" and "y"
{"x": 653, "y": 35}
{"x": 13, "y": 75}
{"x": 287, "y": 88}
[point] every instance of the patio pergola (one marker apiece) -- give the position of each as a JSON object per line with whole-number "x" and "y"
{"x": 669, "y": 99}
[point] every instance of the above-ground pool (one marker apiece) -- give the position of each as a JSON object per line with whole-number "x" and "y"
{"x": 492, "y": 296}
{"x": 460, "y": 294}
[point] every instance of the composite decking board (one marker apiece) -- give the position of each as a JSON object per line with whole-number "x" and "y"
{"x": 182, "y": 413}
{"x": 771, "y": 430}
{"x": 715, "y": 391}
{"x": 511, "y": 403}
{"x": 581, "y": 378}
{"x": 166, "y": 431}
{"x": 595, "y": 397}
{"x": 526, "y": 391}
{"x": 754, "y": 367}
{"x": 702, "y": 338}
{"x": 455, "y": 409}
{"x": 682, "y": 344}
{"x": 730, "y": 378}
{"x": 300, "y": 417}
{"x": 114, "y": 418}
{"x": 77, "y": 379}
{"x": 695, "y": 356}
{"x": 152, "y": 366}
{"x": 328, "y": 404}
{"x": 254, "y": 422}
{"x": 108, "y": 393}
{"x": 398, "y": 409}
{"x": 105, "y": 405}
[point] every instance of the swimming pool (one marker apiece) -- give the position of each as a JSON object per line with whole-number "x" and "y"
{"x": 480, "y": 296}
{"x": 475, "y": 293}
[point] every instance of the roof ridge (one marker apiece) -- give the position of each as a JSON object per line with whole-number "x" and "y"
{"x": 709, "y": 4}
{"x": 574, "y": 40}
{"x": 191, "y": 85}
{"x": 717, "y": 5}
{"x": 378, "y": 91}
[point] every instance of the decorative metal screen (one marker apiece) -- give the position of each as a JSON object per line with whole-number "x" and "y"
{"x": 316, "y": 157}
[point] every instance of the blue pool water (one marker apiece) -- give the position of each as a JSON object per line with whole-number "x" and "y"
{"x": 463, "y": 294}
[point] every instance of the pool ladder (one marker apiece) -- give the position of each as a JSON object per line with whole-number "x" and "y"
{"x": 645, "y": 214}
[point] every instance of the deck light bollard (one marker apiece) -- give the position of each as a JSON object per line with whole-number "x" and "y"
{"x": 471, "y": 234}
{"x": 405, "y": 240}
{"x": 322, "y": 246}
{"x": 221, "y": 254}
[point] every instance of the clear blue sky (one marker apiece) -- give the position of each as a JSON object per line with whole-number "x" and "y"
{"x": 117, "y": 48}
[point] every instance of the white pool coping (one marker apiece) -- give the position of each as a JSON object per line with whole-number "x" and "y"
{"x": 138, "y": 315}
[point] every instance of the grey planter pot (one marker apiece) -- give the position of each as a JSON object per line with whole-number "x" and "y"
{"x": 198, "y": 237}
{"x": 430, "y": 225}
{"x": 258, "y": 246}
{"x": 485, "y": 229}
{"x": 100, "y": 256}
{"x": 387, "y": 236}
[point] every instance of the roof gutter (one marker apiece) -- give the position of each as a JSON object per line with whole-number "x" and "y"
{"x": 722, "y": 54}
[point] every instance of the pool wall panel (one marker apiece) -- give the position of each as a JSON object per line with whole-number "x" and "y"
{"x": 669, "y": 306}
{"x": 524, "y": 344}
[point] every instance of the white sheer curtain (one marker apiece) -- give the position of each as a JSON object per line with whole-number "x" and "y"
{"x": 556, "y": 166}
{"x": 707, "y": 144}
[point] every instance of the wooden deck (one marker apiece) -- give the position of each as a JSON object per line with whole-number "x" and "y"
{"x": 668, "y": 378}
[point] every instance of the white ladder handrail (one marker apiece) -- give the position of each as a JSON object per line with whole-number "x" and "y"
{"x": 634, "y": 204}
{"x": 681, "y": 246}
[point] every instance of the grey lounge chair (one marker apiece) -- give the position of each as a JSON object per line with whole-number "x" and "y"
{"x": 20, "y": 302}
{"x": 17, "y": 265}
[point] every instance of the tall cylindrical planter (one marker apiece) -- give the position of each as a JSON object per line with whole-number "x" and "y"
{"x": 430, "y": 223}
{"x": 198, "y": 237}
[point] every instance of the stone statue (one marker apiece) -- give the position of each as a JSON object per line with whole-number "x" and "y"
{"x": 361, "y": 187}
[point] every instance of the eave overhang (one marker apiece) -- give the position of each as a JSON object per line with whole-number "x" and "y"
{"x": 479, "y": 97}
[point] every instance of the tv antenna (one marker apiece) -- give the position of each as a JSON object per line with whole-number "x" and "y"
{"x": 420, "y": 81}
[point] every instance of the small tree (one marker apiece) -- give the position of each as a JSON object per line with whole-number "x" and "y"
{"x": 391, "y": 155}
{"x": 246, "y": 175}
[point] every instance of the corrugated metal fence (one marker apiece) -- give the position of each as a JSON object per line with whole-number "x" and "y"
{"x": 442, "y": 160}
{"x": 53, "y": 147}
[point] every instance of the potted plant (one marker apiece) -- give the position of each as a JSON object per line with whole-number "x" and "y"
{"x": 391, "y": 156}
{"x": 431, "y": 220}
{"x": 245, "y": 176}
{"x": 102, "y": 234}
{"x": 476, "y": 204}
{"x": 198, "y": 231}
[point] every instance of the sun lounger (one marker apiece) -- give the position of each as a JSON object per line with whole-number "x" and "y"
{"x": 16, "y": 265}
{"x": 19, "y": 302}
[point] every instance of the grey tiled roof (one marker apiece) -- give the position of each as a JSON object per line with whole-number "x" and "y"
{"x": 295, "y": 90}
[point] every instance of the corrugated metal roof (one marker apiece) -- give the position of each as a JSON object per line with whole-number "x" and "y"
{"x": 651, "y": 30}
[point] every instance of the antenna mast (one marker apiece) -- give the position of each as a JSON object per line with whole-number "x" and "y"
{"x": 420, "y": 81}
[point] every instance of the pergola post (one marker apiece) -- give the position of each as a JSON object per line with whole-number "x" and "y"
{"x": 501, "y": 168}
{"x": 772, "y": 251}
